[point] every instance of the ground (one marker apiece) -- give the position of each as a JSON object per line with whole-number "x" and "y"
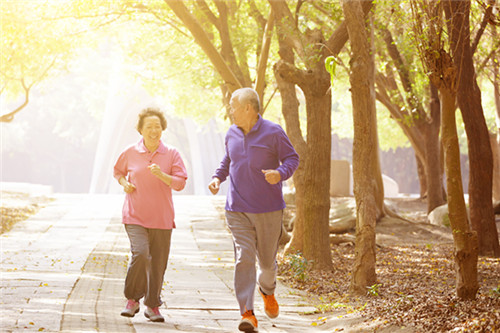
{"x": 16, "y": 206}
{"x": 415, "y": 291}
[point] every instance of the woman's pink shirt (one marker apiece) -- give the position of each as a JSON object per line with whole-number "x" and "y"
{"x": 150, "y": 204}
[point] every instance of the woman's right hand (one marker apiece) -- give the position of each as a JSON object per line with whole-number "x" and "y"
{"x": 128, "y": 187}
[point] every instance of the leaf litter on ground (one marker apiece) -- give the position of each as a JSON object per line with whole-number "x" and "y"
{"x": 415, "y": 288}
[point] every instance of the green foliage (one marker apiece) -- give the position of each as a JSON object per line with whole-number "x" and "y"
{"x": 496, "y": 291}
{"x": 373, "y": 290}
{"x": 391, "y": 136}
{"x": 404, "y": 299}
{"x": 299, "y": 266}
{"x": 331, "y": 306}
{"x": 330, "y": 66}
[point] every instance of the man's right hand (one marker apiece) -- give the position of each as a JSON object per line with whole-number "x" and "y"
{"x": 214, "y": 185}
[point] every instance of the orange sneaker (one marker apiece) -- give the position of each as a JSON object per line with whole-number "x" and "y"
{"x": 270, "y": 305}
{"x": 248, "y": 322}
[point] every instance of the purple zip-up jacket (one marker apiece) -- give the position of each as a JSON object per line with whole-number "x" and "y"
{"x": 266, "y": 146}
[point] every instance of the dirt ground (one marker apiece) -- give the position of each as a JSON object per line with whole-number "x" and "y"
{"x": 16, "y": 206}
{"x": 415, "y": 289}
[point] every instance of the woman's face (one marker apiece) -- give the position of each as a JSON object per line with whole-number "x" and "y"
{"x": 151, "y": 129}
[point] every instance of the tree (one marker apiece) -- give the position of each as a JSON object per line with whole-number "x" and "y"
{"x": 38, "y": 40}
{"x": 235, "y": 74}
{"x": 366, "y": 166}
{"x": 311, "y": 181}
{"x": 429, "y": 30}
{"x": 20, "y": 69}
{"x": 310, "y": 234}
{"x": 404, "y": 99}
{"x": 480, "y": 154}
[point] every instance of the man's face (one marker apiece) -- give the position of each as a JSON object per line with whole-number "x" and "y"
{"x": 238, "y": 112}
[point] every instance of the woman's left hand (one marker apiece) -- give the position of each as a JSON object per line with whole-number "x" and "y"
{"x": 155, "y": 170}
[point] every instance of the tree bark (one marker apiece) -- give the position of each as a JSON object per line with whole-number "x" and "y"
{"x": 442, "y": 73}
{"x": 436, "y": 195}
{"x": 311, "y": 229}
{"x": 260, "y": 80}
{"x": 480, "y": 154}
{"x": 465, "y": 240}
{"x": 290, "y": 111}
{"x": 496, "y": 147}
{"x": 365, "y": 145}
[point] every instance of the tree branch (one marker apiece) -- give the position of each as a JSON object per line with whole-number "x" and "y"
{"x": 492, "y": 53}
{"x": 208, "y": 13}
{"x": 340, "y": 36}
{"x": 264, "y": 56}
{"x": 203, "y": 40}
{"x": 284, "y": 19}
{"x": 290, "y": 73}
{"x": 7, "y": 118}
{"x": 404, "y": 74}
{"x": 486, "y": 18}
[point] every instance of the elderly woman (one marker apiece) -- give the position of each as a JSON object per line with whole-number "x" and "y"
{"x": 148, "y": 171}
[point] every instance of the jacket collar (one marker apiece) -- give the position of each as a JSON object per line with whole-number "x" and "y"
{"x": 141, "y": 148}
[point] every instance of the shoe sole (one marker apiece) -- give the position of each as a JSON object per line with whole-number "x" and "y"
{"x": 155, "y": 320}
{"x": 247, "y": 327}
{"x": 272, "y": 316}
{"x": 128, "y": 314}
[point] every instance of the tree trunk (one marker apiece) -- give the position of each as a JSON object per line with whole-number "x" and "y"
{"x": 496, "y": 148}
{"x": 480, "y": 155}
{"x": 311, "y": 230}
{"x": 317, "y": 173}
{"x": 422, "y": 178}
{"x": 434, "y": 174}
{"x": 290, "y": 111}
{"x": 465, "y": 240}
{"x": 365, "y": 145}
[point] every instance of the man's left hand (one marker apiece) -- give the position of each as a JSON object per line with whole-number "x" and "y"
{"x": 272, "y": 176}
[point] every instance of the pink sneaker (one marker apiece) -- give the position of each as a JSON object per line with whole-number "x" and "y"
{"x": 154, "y": 314}
{"x": 131, "y": 308}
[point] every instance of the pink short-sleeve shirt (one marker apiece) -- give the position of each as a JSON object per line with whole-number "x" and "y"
{"x": 150, "y": 205}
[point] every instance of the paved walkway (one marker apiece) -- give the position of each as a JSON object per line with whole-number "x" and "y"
{"x": 63, "y": 270}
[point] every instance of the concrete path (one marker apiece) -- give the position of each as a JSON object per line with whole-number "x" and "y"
{"x": 63, "y": 270}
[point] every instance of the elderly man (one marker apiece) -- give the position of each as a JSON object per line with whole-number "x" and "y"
{"x": 258, "y": 158}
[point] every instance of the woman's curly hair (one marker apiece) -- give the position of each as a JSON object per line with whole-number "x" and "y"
{"x": 148, "y": 112}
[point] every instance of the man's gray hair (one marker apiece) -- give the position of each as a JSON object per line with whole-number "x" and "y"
{"x": 247, "y": 96}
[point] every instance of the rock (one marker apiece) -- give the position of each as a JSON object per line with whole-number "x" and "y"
{"x": 289, "y": 195}
{"x": 341, "y": 239}
{"x": 343, "y": 225}
{"x": 439, "y": 216}
{"x": 343, "y": 216}
{"x": 285, "y": 236}
{"x": 496, "y": 207}
{"x": 391, "y": 187}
